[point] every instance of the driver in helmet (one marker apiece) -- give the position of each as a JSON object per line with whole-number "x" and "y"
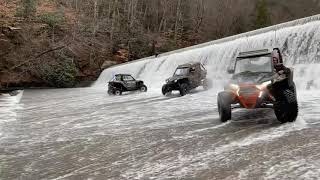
{"x": 282, "y": 72}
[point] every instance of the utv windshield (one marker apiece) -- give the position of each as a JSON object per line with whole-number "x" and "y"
{"x": 181, "y": 72}
{"x": 116, "y": 78}
{"x": 256, "y": 64}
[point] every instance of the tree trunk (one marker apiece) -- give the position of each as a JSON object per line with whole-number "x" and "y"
{"x": 176, "y": 26}
{"x": 95, "y": 17}
{"x": 164, "y": 17}
{"x": 53, "y": 34}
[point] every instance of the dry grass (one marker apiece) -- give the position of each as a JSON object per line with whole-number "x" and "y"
{"x": 8, "y": 9}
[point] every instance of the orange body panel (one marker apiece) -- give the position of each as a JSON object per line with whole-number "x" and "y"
{"x": 248, "y": 95}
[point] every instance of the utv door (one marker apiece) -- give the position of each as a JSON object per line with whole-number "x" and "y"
{"x": 195, "y": 76}
{"x": 129, "y": 82}
{"x": 203, "y": 72}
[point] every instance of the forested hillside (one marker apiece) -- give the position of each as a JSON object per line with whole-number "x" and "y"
{"x": 60, "y": 43}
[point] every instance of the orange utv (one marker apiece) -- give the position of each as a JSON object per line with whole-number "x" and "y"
{"x": 256, "y": 84}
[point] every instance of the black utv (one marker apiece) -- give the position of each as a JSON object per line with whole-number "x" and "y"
{"x": 9, "y": 91}
{"x": 125, "y": 82}
{"x": 186, "y": 77}
{"x": 257, "y": 82}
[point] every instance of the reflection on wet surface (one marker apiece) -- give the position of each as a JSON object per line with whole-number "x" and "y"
{"x": 84, "y": 133}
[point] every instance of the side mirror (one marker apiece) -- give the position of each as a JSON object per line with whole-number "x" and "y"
{"x": 192, "y": 70}
{"x": 230, "y": 71}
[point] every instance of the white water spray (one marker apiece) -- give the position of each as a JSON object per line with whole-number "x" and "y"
{"x": 298, "y": 40}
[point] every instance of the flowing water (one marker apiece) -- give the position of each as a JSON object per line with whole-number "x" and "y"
{"x": 86, "y": 134}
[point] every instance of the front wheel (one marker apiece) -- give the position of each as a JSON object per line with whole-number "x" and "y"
{"x": 224, "y": 107}
{"x": 286, "y": 108}
{"x": 118, "y": 92}
{"x": 143, "y": 88}
{"x": 184, "y": 88}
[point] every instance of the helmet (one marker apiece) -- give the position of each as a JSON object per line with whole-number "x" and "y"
{"x": 276, "y": 57}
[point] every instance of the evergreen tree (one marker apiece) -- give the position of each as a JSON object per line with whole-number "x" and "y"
{"x": 262, "y": 15}
{"x": 27, "y": 9}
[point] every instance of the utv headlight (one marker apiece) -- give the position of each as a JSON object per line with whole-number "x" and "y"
{"x": 234, "y": 86}
{"x": 263, "y": 85}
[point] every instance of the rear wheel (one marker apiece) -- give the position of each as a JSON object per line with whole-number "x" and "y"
{"x": 143, "y": 88}
{"x": 165, "y": 90}
{"x": 286, "y": 107}
{"x": 224, "y": 106}
{"x": 184, "y": 88}
{"x": 118, "y": 92}
{"x": 110, "y": 92}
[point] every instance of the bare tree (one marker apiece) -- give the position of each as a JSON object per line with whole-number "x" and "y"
{"x": 178, "y": 19}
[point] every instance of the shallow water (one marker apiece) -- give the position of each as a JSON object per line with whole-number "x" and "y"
{"x": 86, "y": 134}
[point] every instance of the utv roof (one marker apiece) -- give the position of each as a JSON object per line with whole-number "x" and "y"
{"x": 188, "y": 64}
{"x": 254, "y": 53}
{"x": 123, "y": 75}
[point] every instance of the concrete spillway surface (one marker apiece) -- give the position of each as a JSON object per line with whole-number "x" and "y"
{"x": 86, "y": 134}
